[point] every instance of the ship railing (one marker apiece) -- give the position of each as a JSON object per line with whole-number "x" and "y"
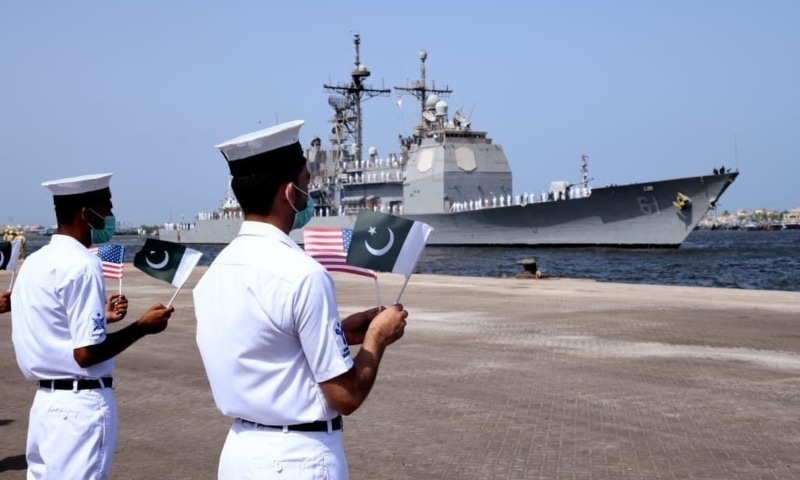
{"x": 398, "y": 166}
{"x": 393, "y": 209}
{"x": 508, "y": 200}
{"x": 220, "y": 214}
{"x": 325, "y": 211}
{"x": 394, "y": 161}
{"x": 181, "y": 226}
{"x": 383, "y": 176}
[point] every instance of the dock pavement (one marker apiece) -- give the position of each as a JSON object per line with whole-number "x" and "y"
{"x": 495, "y": 378}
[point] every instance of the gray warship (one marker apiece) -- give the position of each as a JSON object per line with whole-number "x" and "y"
{"x": 456, "y": 179}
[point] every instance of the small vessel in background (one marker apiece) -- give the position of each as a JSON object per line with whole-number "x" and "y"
{"x": 456, "y": 179}
{"x": 791, "y": 219}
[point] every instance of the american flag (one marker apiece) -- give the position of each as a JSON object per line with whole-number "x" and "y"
{"x": 111, "y": 256}
{"x": 329, "y": 247}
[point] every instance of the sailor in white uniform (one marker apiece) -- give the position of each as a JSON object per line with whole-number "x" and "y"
{"x": 268, "y": 327}
{"x": 59, "y": 333}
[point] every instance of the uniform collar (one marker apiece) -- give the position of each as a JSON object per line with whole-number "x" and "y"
{"x": 267, "y": 230}
{"x": 61, "y": 240}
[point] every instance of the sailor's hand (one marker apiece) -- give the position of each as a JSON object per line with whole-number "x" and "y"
{"x": 389, "y": 325}
{"x": 5, "y": 302}
{"x": 154, "y": 320}
{"x": 355, "y": 326}
{"x": 116, "y": 307}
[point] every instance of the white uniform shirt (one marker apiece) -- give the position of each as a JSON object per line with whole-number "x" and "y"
{"x": 268, "y": 329}
{"x": 58, "y": 305}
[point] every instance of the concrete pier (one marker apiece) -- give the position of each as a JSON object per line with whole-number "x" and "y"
{"x": 496, "y": 379}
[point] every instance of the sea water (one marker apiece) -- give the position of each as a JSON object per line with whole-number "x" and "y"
{"x": 759, "y": 260}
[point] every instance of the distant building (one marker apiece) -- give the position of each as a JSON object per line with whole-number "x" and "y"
{"x": 791, "y": 219}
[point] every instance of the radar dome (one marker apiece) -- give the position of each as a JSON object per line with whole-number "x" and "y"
{"x": 373, "y": 151}
{"x": 431, "y": 101}
{"x": 337, "y": 101}
{"x": 441, "y": 108}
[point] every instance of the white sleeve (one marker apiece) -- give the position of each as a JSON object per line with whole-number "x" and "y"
{"x": 317, "y": 324}
{"x": 86, "y": 307}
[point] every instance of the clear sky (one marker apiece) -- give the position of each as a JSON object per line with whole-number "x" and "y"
{"x": 648, "y": 90}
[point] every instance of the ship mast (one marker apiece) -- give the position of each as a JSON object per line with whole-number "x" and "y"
{"x": 584, "y": 172}
{"x": 347, "y": 120}
{"x": 420, "y": 90}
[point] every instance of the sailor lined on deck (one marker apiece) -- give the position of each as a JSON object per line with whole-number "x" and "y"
{"x": 59, "y": 333}
{"x": 268, "y": 328}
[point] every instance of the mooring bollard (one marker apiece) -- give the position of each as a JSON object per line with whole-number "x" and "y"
{"x": 529, "y": 264}
{"x": 531, "y": 270}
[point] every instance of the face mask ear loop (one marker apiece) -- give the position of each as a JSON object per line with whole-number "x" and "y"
{"x": 83, "y": 215}
{"x": 97, "y": 214}
{"x": 296, "y": 211}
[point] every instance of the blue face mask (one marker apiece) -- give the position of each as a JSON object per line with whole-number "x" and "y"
{"x": 103, "y": 235}
{"x": 302, "y": 217}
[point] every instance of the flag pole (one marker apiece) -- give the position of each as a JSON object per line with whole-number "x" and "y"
{"x": 403, "y": 289}
{"x": 174, "y": 295}
{"x": 377, "y": 291}
{"x": 410, "y": 272}
{"x": 120, "y": 285}
{"x": 16, "y": 262}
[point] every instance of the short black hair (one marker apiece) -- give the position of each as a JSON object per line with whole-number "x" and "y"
{"x": 255, "y": 192}
{"x": 68, "y": 205}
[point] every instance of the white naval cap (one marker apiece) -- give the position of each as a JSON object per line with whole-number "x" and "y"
{"x": 78, "y": 185}
{"x": 259, "y": 151}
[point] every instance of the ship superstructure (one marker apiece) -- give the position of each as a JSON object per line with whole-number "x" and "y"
{"x": 459, "y": 181}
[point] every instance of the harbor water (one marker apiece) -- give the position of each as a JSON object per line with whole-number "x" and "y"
{"x": 759, "y": 260}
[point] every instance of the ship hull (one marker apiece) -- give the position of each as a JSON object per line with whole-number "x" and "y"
{"x": 634, "y": 216}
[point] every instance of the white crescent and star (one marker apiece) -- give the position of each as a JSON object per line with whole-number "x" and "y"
{"x": 380, "y": 251}
{"x": 159, "y": 265}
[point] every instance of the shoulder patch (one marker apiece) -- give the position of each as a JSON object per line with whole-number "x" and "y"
{"x": 98, "y": 319}
{"x": 337, "y": 329}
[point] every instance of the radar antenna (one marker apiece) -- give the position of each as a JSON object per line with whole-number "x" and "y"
{"x": 585, "y": 171}
{"x": 347, "y": 104}
{"x": 420, "y": 90}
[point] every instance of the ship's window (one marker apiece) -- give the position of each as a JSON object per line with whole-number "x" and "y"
{"x": 465, "y": 159}
{"x": 425, "y": 161}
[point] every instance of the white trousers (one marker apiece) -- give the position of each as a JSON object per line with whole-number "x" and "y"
{"x": 71, "y": 435}
{"x": 261, "y": 453}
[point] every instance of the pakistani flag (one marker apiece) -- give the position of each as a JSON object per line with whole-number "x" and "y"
{"x": 166, "y": 261}
{"x": 387, "y": 243}
{"x": 9, "y": 254}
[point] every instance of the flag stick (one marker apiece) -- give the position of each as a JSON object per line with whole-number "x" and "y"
{"x": 12, "y": 279}
{"x": 377, "y": 291}
{"x": 403, "y": 289}
{"x": 120, "y": 285}
{"x": 174, "y": 295}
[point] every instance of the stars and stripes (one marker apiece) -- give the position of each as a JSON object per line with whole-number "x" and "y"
{"x": 329, "y": 247}
{"x": 112, "y": 257}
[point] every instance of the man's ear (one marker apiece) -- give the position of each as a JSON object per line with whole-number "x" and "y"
{"x": 290, "y": 192}
{"x": 283, "y": 195}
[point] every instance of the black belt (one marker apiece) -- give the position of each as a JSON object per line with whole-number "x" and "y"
{"x": 69, "y": 383}
{"x": 318, "y": 426}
